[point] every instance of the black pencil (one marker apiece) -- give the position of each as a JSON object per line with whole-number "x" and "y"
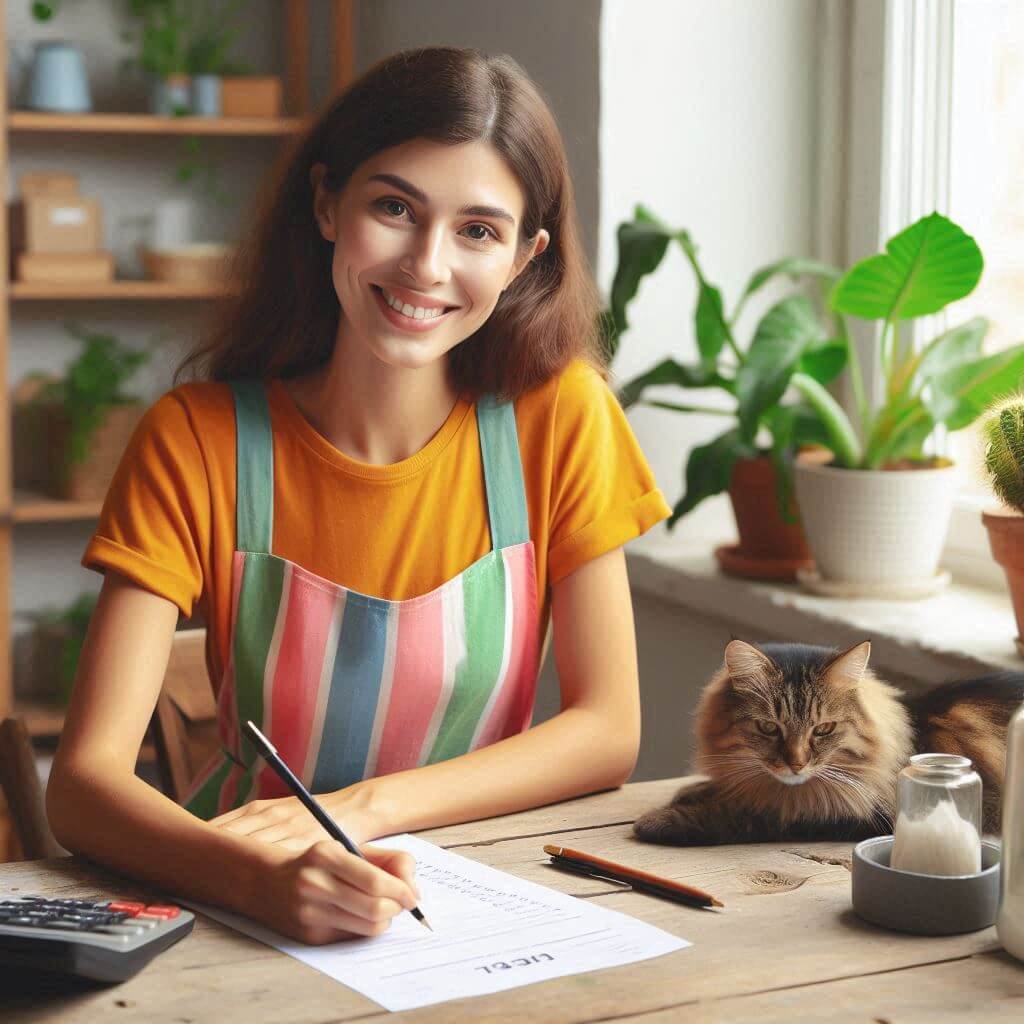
{"x": 271, "y": 756}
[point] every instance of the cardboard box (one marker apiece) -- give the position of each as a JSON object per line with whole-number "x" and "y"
{"x": 58, "y": 223}
{"x": 48, "y": 183}
{"x": 65, "y": 268}
{"x": 250, "y": 96}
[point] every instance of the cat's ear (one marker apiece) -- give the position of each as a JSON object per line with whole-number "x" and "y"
{"x": 846, "y": 669}
{"x": 745, "y": 662}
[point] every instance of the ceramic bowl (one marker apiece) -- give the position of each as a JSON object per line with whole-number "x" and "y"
{"x": 923, "y": 904}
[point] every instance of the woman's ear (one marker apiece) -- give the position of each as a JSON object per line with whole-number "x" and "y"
{"x": 540, "y": 242}
{"x": 323, "y": 202}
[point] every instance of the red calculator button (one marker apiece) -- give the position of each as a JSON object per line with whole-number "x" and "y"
{"x": 126, "y": 908}
{"x": 159, "y": 910}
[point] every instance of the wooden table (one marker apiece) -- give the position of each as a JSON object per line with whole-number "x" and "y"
{"x": 786, "y": 947}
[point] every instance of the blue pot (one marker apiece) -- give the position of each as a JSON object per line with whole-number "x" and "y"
{"x": 206, "y": 95}
{"x": 57, "y": 80}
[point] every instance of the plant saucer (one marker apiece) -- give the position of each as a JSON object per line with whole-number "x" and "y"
{"x": 905, "y": 590}
{"x": 734, "y": 561}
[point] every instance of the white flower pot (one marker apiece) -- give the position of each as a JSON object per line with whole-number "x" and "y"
{"x": 876, "y": 527}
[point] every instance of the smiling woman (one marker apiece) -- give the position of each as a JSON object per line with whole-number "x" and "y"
{"x": 403, "y": 462}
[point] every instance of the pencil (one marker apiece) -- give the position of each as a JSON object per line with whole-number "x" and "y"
{"x": 290, "y": 779}
{"x": 598, "y": 867}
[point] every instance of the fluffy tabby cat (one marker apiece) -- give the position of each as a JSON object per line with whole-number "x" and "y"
{"x": 805, "y": 742}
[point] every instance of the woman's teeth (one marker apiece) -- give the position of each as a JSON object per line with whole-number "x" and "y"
{"x": 415, "y": 312}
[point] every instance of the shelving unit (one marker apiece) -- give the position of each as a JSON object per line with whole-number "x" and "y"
{"x": 18, "y": 508}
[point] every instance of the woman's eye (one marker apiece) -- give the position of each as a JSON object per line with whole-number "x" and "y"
{"x": 766, "y": 728}
{"x": 487, "y": 233}
{"x": 824, "y": 728}
{"x": 387, "y": 206}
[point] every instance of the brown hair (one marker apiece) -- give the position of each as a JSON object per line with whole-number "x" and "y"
{"x": 284, "y": 320}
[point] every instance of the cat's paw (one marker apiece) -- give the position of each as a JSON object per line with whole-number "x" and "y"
{"x": 667, "y": 825}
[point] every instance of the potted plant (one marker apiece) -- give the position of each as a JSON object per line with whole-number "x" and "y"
{"x": 1004, "y": 458}
{"x": 87, "y": 418}
{"x": 751, "y": 458}
{"x": 213, "y": 35}
{"x": 163, "y": 38}
{"x": 877, "y": 515}
{"x": 57, "y": 638}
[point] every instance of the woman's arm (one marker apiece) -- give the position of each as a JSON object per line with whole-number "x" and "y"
{"x": 98, "y": 807}
{"x": 591, "y": 744}
{"x": 96, "y": 804}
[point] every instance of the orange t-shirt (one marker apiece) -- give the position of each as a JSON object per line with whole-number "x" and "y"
{"x": 394, "y": 532}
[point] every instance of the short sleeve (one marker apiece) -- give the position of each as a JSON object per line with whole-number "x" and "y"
{"x": 155, "y": 521}
{"x": 603, "y": 491}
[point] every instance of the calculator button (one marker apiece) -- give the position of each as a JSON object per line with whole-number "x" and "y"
{"x": 121, "y": 929}
{"x": 21, "y": 920}
{"x": 71, "y": 926}
{"x": 160, "y": 910}
{"x": 128, "y": 908}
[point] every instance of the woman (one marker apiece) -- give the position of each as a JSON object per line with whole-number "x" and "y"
{"x": 400, "y": 461}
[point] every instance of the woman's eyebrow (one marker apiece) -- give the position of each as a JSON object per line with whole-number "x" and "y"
{"x": 421, "y": 197}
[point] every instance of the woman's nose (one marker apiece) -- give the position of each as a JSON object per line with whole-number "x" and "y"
{"x": 427, "y": 261}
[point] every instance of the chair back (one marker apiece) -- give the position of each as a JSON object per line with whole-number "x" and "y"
{"x": 23, "y": 790}
{"x": 184, "y": 725}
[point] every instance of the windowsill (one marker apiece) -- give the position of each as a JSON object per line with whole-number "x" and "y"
{"x": 964, "y": 630}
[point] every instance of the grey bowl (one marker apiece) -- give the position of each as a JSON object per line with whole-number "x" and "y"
{"x": 923, "y": 904}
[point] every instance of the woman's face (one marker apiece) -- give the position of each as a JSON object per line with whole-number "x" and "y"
{"x": 426, "y": 238}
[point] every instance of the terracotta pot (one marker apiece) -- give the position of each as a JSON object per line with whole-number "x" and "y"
{"x": 89, "y": 479}
{"x": 769, "y": 547}
{"x": 1006, "y": 538}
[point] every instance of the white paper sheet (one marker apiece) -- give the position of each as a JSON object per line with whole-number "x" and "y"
{"x": 492, "y": 931}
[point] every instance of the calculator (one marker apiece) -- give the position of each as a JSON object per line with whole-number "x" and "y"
{"x": 105, "y": 940}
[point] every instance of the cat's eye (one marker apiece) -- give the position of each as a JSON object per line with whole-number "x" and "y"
{"x": 824, "y": 729}
{"x": 766, "y": 727}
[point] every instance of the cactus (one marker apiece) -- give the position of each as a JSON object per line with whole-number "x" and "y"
{"x": 1004, "y": 452}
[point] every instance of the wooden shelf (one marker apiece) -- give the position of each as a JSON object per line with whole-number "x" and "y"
{"x": 46, "y": 721}
{"x": 41, "y": 508}
{"x": 151, "y": 124}
{"x": 167, "y": 290}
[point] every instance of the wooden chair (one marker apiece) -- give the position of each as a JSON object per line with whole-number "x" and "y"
{"x": 20, "y": 783}
{"x": 184, "y": 725}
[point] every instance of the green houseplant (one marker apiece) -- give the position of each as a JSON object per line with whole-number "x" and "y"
{"x": 877, "y": 516}
{"x": 1003, "y": 430}
{"x": 751, "y": 457}
{"x": 86, "y": 417}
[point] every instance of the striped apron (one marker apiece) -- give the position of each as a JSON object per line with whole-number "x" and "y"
{"x": 347, "y": 686}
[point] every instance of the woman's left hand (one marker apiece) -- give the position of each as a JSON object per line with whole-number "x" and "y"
{"x": 286, "y": 820}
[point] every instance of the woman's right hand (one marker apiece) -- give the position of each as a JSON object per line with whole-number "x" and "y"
{"x": 325, "y": 894}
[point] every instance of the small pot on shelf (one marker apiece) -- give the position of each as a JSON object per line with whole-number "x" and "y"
{"x": 770, "y": 546}
{"x": 1006, "y": 538}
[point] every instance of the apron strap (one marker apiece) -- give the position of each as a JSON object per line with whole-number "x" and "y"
{"x": 254, "y": 501}
{"x": 503, "y": 473}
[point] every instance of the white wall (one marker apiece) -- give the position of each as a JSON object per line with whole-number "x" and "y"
{"x": 708, "y": 117}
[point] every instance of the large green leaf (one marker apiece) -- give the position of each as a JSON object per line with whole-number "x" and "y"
{"x": 642, "y": 245}
{"x": 824, "y": 362}
{"x": 930, "y": 264}
{"x": 786, "y": 330}
{"x": 951, "y": 348}
{"x": 668, "y": 371}
{"x": 958, "y": 396}
{"x": 794, "y": 268}
{"x": 709, "y": 469}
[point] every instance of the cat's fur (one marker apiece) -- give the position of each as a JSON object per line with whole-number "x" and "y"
{"x": 843, "y": 784}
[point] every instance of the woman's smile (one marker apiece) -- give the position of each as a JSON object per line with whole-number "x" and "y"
{"x": 418, "y": 319}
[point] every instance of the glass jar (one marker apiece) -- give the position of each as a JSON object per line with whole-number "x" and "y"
{"x": 1010, "y": 923}
{"x": 938, "y": 818}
